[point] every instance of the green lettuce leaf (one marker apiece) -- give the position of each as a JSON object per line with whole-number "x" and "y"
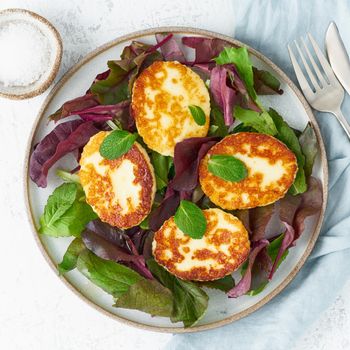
{"x": 273, "y": 248}
{"x": 70, "y": 258}
{"x": 240, "y": 58}
{"x": 288, "y": 137}
{"x": 265, "y": 83}
{"x": 113, "y": 278}
{"x": 66, "y": 213}
{"x": 217, "y": 123}
{"x": 261, "y": 122}
{"x": 148, "y": 296}
{"x": 161, "y": 165}
{"x": 114, "y": 88}
{"x": 224, "y": 284}
{"x": 67, "y": 176}
{"x": 242, "y": 128}
{"x": 190, "y": 301}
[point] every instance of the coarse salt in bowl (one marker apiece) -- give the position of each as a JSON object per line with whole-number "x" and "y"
{"x": 30, "y": 54}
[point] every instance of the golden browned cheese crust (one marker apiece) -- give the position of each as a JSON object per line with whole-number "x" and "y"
{"x": 223, "y": 248}
{"x": 160, "y": 99}
{"x": 271, "y": 166}
{"x": 120, "y": 191}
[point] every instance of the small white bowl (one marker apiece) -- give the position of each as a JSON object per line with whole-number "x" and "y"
{"x": 55, "y": 43}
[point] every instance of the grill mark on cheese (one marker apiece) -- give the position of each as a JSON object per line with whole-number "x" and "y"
{"x": 160, "y": 99}
{"x": 223, "y": 248}
{"x": 271, "y": 169}
{"x": 120, "y": 191}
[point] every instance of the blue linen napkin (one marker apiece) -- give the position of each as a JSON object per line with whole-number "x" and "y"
{"x": 268, "y": 26}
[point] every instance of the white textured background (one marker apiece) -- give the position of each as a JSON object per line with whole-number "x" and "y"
{"x": 36, "y": 310}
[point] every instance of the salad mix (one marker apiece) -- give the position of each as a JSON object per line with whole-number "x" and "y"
{"x": 120, "y": 261}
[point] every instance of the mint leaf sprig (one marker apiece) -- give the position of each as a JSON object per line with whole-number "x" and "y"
{"x": 197, "y": 114}
{"x": 117, "y": 143}
{"x": 189, "y": 218}
{"x": 227, "y": 167}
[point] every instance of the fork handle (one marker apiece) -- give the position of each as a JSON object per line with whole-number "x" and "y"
{"x": 343, "y": 122}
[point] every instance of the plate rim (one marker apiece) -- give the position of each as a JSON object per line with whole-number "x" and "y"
{"x": 192, "y": 31}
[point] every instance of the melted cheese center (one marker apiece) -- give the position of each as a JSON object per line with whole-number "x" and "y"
{"x": 126, "y": 192}
{"x": 257, "y": 165}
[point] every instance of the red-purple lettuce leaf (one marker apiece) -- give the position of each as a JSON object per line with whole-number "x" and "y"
{"x": 102, "y": 113}
{"x": 105, "y": 249}
{"x": 166, "y": 209}
{"x": 223, "y": 94}
{"x": 203, "y": 70}
{"x": 258, "y": 220}
{"x": 239, "y": 58}
{"x": 309, "y": 147}
{"x": 111, "y": 243}
{"x": 292, "y": 212}
{"x": 63, "y": 139}
{"x": 187, "y": 156}
{"x": 288, "y": 205}
{"x": 229, "y": 90}
{"x": 243, "y": 286}
{"x": 205, "y": 48}
{"x": 76, "y": 104}
{"x": 117, "y": 86}
{"x": 102, "y": 76}
{"x": 147, "y": 246}
{"x": 244, "y": 216}
{"x": 186, "y": 195}
{"x": 88, "y": 109}
{"x": 286, "y": 243}
{"x": 245, "y": 100}
{"x": 138, "y": 237}
{"x": 170, "y": 49}
{"x": 293, "y": 218}
{"x": 311, "y": 204}
{"x": 260, "y": 272}
{"x": 110, "y": 233}
{"x": 264, "y": 263}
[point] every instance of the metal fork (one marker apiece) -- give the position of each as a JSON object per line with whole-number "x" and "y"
{"x": 324, "y": 95}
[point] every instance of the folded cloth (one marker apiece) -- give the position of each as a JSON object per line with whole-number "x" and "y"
{"x": 268, "y": 26}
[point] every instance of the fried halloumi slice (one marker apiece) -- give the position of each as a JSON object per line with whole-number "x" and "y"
{"x": 271, "y": 166}
{"x": 161, "y": 98}
{"x": 120, "y": 191}
{"x": 223, "y": 248}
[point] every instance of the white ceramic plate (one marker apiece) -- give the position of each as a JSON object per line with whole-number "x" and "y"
{"x": 221, "y": 310}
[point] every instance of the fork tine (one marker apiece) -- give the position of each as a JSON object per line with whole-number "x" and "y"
{"x": 307, "y": 67}
{"x": 300, "y": 75}
{"x": 314, "y": 65}
{"x": 323, "y": 61}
